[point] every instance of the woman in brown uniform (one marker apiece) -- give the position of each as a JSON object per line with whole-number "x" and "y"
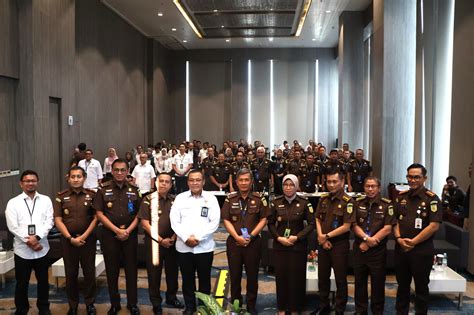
{"x": 286, "y": 224}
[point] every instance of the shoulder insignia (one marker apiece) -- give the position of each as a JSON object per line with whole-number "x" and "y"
{"x": 302, "y": 197}
{"x": 403, "y": 192}
{"x": 434, "y": 206}
{"x": 226, "y": 199}
{"x": 310, "y": 207}
{"x": 264, "y": 202}
{"x": 133, "y": 185}
{"x": 386, "y": 200}
{"x": 346, "y": 198}
{"x": 324, "y": 195}
{"x": 58, "y": 200}
{"x": 90, "y": 191}
{"x": 107, "y": 183}
{"x": 390, "y": 210}
{"x": 232, "y": 194}
{"x": 257, "y": 194}
{"x": 430, "y": 193}
{"x": 360, "y": 198}
{"x": 278, "y": 197}
{"x": 146, "y": 202}
{"x": 63, "y": 192}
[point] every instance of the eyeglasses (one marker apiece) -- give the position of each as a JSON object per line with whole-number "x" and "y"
{"x": 30, "y": 181}
{"x": 414, "y": 177}
{"x": 120, "y": 170}
{"x": 371, "y": 186}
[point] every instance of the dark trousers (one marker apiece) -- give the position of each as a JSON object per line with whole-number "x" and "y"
{"x": 417, "y": 266}
{"x": 278, "y": 185}
{"x": 113, "y": 250}
{"x": 168, "y": 259}
{"x": 189, "y": 264}
{"x": 86, "y": 256}
{"x": 238, "y": 256}
{"x": 337, "y": 259}
{"x": 370, "y": 263}
{"x": 290, "y": 276}
{"x": 181, "y": 183}
{"x": 23, "y": 268}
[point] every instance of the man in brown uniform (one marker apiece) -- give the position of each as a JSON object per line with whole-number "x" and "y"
{"x": 358, "y": 170}
{"x": 245, "y": 215}
{"x": 166, "y": 238}
{"x": 296, "y": 165}
{"x": 334, "y": 217}
{"x": 74, "y": 217}
{"x": 116, "y": 205}
{"x": 221, "y": 175}
{"x": 310, "y": 175}
{"x": 236, "y": 166}
{"x": 207, "y": 167}
{"x": 262, "y": 171}
{"x": 374, "y": 221}
{"x": 419, "y": 214}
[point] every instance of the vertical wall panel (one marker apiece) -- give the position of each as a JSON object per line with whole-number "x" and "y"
{"x": 261, "y": 101}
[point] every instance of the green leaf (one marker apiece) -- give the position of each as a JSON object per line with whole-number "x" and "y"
{"x": 202, "y": 310}
{"x": 210, "y": 302}
{"x": 236, "y": 306}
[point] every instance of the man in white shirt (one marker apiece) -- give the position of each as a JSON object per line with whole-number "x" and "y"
{"x": 93, "y": 170}
{"x": 29, "y": 218}
{"x": 144, "y": 175}
{"x": 182, "y": 163}
{"x": 194, "y": 217}
{"x": 163, "y": 163}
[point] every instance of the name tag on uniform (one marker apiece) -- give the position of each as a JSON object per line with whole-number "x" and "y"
{"x": 418, "y": 223}
{"x": 31, "y": 229}
{"x": 204, "y": 212}
{"x": 287, "y": 233}
{"x": 245, "y": 233}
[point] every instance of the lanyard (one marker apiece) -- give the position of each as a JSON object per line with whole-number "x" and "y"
{"x": 87, "y": 165}
{"x": 31, "y": 211}
{"x": 369, "y": 219}
{"x": 243, "y": 211}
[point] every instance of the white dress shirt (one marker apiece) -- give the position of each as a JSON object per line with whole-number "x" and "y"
{"x": 182, "y": 162}
{"x": 18, "y": 218}
{"x": 163, "y": 163}
{"x": 94, "y": 173}
{"x": 202, "y": 154}
{"x": 187, "y": 219}
{"x": 143, "y": 173}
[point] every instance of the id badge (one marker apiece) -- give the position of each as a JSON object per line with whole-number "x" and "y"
{"x": 245, "y": 233}
{"x": 287, "y": 233}
{"x": 181, "y": 166}
{"x": 204, "y": 212}
{"x": 130, "y": 207}
{"x": 31, "y": 229}
{"x": 418, "y": 223}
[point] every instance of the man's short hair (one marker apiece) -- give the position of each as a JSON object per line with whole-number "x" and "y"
{"x": 451, "y": 177}
{"x": 28, "y": 172}
{"x": 77, "y": 168}
{"x": 89, "y": 150}
{"x": 418, "y": 165}
{"x": 81, "y": 146}
{"x": 335, "y": 172}
{"x": 244, "y": 171}
{"x": 333, "y": 151}
{"x": 120, "y": 160}
{"x": 194, "y": 171}
{"x": 373, "y": 178}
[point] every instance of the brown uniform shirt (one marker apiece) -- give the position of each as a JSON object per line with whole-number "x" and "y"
{"x": 411, "y": 205}
{"x": 75, "y": 209}
{"x": 285, "y": 215}
{"x": 335, "y": 210}
{"x": 115, "y": 202}
{"x": 221, "y": 172}
{"x": 261, "y": 169}
{"x": 164, "y": 223}
{"x": 295, "y": 167}
{"x": 244, "y": 213}
{"x": 373, "y": 215}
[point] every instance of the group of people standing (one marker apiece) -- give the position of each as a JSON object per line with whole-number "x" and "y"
{"x": 186, "y": 225}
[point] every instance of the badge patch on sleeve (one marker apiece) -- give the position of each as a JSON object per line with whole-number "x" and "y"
{"x": 310, "y": 207}
{"x": 434, "y": 206}
{"x": 390, "y": 210}
{"x": 264, "y": 201}
{"x": 349, "y": 208}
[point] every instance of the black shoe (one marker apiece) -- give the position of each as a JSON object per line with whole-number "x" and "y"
{"x": 188, "y": 312}
{"x": 175, "y": 303}
{"x": 322, "y": 311}
{"x": 114, "y": 310}
{"x": 157, "y": 311}
{"x": 134, "y": 310}
{"x": 72, "y": 311}
{"x": 91, "y": 309}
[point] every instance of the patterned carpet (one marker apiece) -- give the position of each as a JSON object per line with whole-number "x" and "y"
{"x": 440, "y": 304}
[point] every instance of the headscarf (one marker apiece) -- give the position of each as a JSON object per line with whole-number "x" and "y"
{"x": 295, "y": 182}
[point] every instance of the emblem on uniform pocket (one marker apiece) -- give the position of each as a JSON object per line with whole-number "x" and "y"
{"x": 279, "y": 219}
{"x": 66, "y": 211}
{"x": 109, "y": 205}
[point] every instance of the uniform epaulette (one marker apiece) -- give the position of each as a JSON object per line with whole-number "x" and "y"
{"x": 403, "y": 192}
{"x": 346, "y": 198}
{"x": 324, "y": 195}
{"x": 430, "y": 193}
{"x": 386, "y": 200}
{"x": 63, "y": 192}
{"x": 232, "y": 194}
{"x": 257, "y": 194}
{"x": 360, "y": 198}
{"x": 89, "y": 190}
{"x": 278, "y": 197}
{"x": 107, "y": 183}
{"x": 132, "y": 185}
{"x": 302, "y": 197}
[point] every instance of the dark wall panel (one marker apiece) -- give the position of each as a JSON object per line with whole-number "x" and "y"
{"x": 9, "y": 38}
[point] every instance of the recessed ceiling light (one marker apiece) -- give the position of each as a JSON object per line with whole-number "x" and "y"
{"x": 215, "y": 10}
{"x": 222, "y": 26}
{"x": 328, "y": 11}
{"x": 185, "y": 41}
{"x": 227, "y": 40}
{"x": 314, "y": 39}
{"x": 160, "y": 14}
{"x": 271, "y": 39}
{"x": 173, "y": 29}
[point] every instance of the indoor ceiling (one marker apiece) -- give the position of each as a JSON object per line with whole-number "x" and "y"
{"x": 237, "y": 23}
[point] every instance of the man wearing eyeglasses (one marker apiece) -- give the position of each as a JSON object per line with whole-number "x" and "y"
{"x": 116, "y": 205}
{"x": 419, "y": 213}
{"x": 374, "y": 221}
{"x": 29, "y": 218}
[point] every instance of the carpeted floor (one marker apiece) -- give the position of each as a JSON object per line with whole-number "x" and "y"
{"x": 440, "y": 304}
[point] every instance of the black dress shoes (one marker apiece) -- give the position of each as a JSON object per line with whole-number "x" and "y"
{"x": 72, "y": 311}
{"x": 175, "y": 304}
{"x": 134, "y": 310}
{"x": 322, "y": 311}
{"x": 114, "y": 310}
{"x": 157, "y": 311}
{"x": 91, "y": 309}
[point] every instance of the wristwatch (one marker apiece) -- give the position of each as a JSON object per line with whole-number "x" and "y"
{"x": 365, "y": 238}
